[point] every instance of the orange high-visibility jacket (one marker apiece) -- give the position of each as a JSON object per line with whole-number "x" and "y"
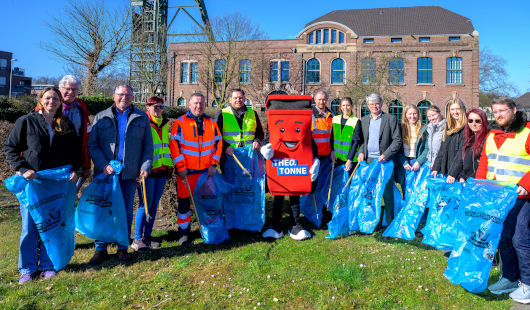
{"x": 190, "y": 150}
{"x": 321, "y": 131}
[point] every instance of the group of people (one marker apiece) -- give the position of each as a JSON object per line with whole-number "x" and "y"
{"x": 463, "y": 145}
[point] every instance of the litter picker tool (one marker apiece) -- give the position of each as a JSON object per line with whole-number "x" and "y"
{"x": 147, "y": 216}
{"x": 193, "y": 203}
{"x": 315, "y": 204}
{"x": 245, "y": 171}
{"x": 342, "y": 198}
{"x": 330, "y": 183}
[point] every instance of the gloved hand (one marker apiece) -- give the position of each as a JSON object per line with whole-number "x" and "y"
{"x": 267, "y": 151}
{"x": 315, "y": 167}
{"x": 333, "y": 156}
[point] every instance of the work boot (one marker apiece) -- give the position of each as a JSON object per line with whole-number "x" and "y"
{"x": 98, "y": 258}
{"x": 184, "y": 236}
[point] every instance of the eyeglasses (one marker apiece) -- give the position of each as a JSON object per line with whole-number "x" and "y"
{"x": 124, "y": 95}
{"x": 70, "y": 89}
{"x": 500, "y": 111}
{"x": 471, "y": 121}
{"x": 158, "y": 107}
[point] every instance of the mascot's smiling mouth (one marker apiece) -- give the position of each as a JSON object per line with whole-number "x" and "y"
{"x": 290, "y": 144}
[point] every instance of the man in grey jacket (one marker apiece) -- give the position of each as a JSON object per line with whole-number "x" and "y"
{"x": 382, "y": 141}
{"x": 121, "y": 132}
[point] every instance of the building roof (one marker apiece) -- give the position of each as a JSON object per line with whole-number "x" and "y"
{"x": 523, "y": 101}
{"x": 417, "y": 20}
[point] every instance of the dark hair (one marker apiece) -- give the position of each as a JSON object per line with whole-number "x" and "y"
{"x": 154, "y": 100}
{"x": 479, "y": 137}
{"x": 239, "y": 90}
{"x": 506, "y": 101}
{"x": 346, "y": 99}
{"x": 435, "y": 109}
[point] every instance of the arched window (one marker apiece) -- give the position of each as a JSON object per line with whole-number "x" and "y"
{"x": 395, "y": 108}
{"x": 335, "y": 106}
{"x": 337, "y": 71}
{"x": 423, "y": 106}
{"x": 248, "y": 103}
{"x": 313, "y": 71}
{"x": 364, "y": 109}
{"x": 181, "y": 102}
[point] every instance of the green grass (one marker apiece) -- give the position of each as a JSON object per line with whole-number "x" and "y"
{"x": 360, "y": 271}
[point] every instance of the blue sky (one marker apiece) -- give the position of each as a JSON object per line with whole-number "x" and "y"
{"x": 504, "y": 26}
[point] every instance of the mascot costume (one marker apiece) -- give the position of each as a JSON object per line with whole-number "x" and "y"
{"x": 292, "y": 164}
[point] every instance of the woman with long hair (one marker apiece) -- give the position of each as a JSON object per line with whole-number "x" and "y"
{"x": 475, "y": 133}
{"x": 451, "y": 148}
{"x": 414, "y": 151}
{"x": 435, "y": 132}
{"x": 346, "y": 135}
{"x": 40, "y": 140}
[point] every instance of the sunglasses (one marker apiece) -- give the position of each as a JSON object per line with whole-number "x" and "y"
{"x": 158, "y": 107}
{"x": 471, "y": 121}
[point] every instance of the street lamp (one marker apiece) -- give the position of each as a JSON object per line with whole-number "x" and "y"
{"x": 11, "y": 76}
{"x": 303, "y": 69}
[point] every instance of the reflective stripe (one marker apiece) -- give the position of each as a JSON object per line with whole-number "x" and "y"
{"x": 341, "y": 151}
{"x": 249, "y": 132}
{"x": 320, "y": 132}
{"x": 191, "y": 153}
{"x": 230, "y": 133}
{"x": 184, "y": 215}
{"x": 342, "y": 143}
{"x": 190, "y": 143}
{"x": 323, "y": 140}
{"x": 158, "y": 156}
{"x": 513, "y": 173}
{"x": 216, "y": 157}
{"x": 230, "y": 141}
{"x": 177, "y": 159}
{"x": 509, "y": 159}
{"x": 176, "y": 137}
{"x": 248, "y": 142}
{"x": 157, "y": 145}
{"x": 217, "y": 138}
{"x": 208, "y": 152}
{"x": 208, "y": 143}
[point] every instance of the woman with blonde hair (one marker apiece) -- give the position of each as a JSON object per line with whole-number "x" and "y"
{"x": 453, "y": 137}
{"x": 415, "y": 148}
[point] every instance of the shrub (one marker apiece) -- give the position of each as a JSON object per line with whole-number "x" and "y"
{"x": 96, "y": 104}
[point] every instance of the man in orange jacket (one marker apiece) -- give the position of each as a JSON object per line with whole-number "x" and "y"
{"x": 196, "y": 146}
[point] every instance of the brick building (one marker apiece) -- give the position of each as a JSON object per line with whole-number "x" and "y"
{"x": 431, "y": 56}
{"x": 21, "y": 84}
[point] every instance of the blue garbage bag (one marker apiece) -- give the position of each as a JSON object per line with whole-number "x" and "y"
{"x": 208, "y": 196}
{"x": 442, "y": 204}
{"x": 483, "y": 208}
{"x": 366, "y": 193}
{"x": 50, "y": 199}
{"x": 398, "y": 204}
{"x": 100, "y": 213}
{"x": 319, "y": 197}
{"x": 338, "y": 226}
{"x": 244, "y": 207}
{"x": 406, "y": 222}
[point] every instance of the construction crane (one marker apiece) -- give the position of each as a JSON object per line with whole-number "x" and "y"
{"x": 153, "y": 26}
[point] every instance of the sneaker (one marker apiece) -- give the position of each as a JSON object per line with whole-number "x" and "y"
{"x": 123, "y": 256}
{"x": 98, "y": 258}
{"x": 139, "y": 245}
{"x": 184, "y": 236}
{"x": 298, "y": 233}
{"x": 272, "y": 233}
{"x": 152, "y": 244}
{"x": 522, "y": 294}
{"x": 503, "y": 286}
{"x": 46, "y": 274}
{"x": 25, "y": 278}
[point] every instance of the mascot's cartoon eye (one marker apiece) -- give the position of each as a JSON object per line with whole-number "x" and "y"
{"x": 282, "y": 129}
{"x": 297, "y": 129}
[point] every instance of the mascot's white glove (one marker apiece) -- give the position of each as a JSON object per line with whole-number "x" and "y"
{"x": 267, "y": 151}
{"x": 314, "y": 169}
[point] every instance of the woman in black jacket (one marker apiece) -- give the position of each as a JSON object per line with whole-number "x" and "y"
{"x": 475, "y": 133}
{"x": 451, "y": 147}
{"x": 40, "y": 140}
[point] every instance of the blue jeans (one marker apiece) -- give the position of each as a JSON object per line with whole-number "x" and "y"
{"x": 511, "y": 265}
{"x": 521, "y": 242}
{"x": 128, "y": 189}
{"x": 32, "y": 254}
{"x": 154, "y": 187}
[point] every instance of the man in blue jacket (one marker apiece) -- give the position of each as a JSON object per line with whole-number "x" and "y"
{"x": 121, "y": 132}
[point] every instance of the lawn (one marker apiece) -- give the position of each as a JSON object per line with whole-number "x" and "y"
{"x": 360, "y": 271}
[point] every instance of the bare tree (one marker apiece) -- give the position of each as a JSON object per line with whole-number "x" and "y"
{"x": 493, "y": 77}
{"x": 236, "y": 39}
{"x": 89, "y": 34}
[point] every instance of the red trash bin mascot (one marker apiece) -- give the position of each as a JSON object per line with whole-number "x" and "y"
{"x": 292, "y": 164}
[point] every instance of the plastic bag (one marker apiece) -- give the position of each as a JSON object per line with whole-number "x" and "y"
{"x": 244, "y": 207}
{"x": 366, "y": 193}
{"x": 208, "y": 196}
{"x": 443, "y": 205}
{"x": 483, "y": 208}
{"x": 50, "y": 199}
{"x": 319, "y": 197}
{"x": 338, "y": 226}
{"x": 100, "y": 213}
{"x": 406, "y": 222}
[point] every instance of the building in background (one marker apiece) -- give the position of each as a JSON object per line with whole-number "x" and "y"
{"x": 425, "y": 55}
{"x": 20, "y": 84}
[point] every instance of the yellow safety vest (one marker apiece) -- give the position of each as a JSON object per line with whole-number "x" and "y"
{"x": 342, "y": 138}
{"x": 234, "y": 135}
{"x": 161, "y": 152}
{"x": 510, "y": 162}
